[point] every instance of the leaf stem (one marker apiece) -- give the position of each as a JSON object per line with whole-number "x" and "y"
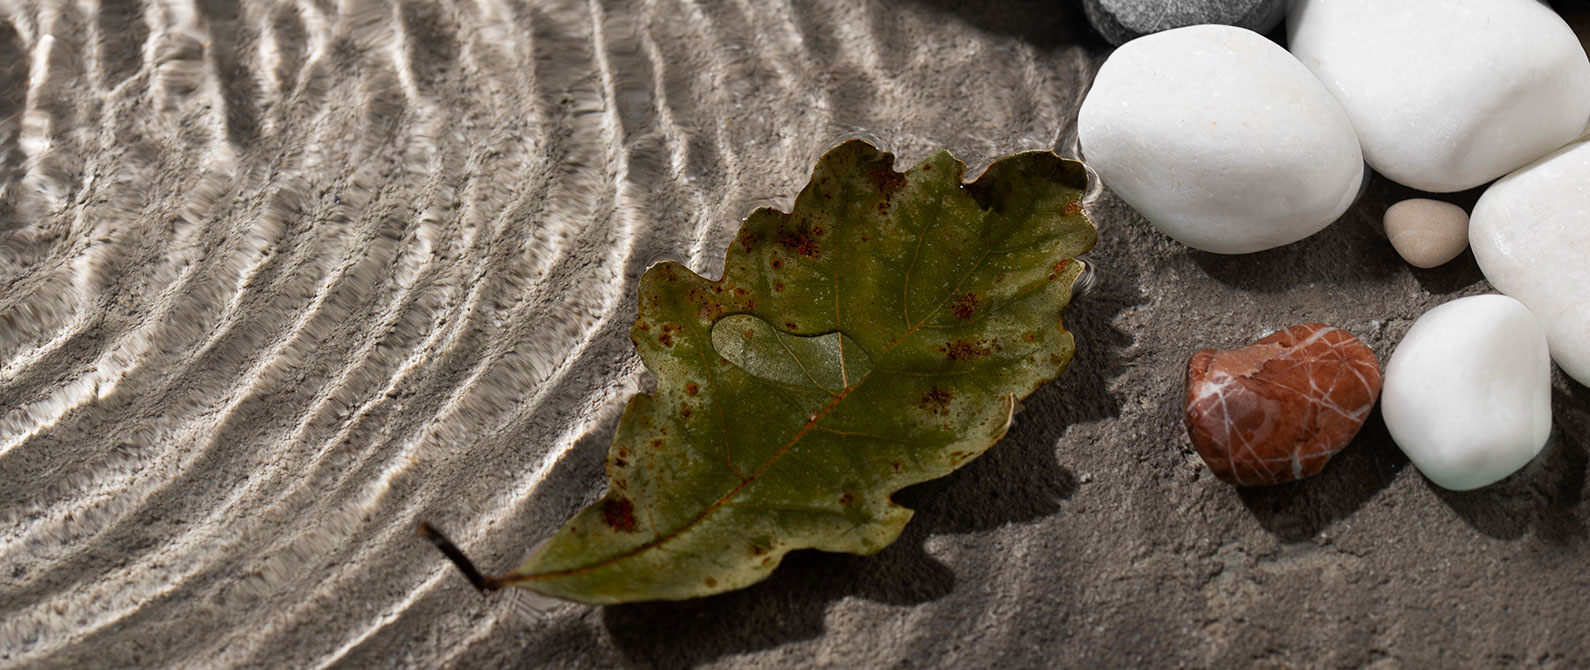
{"x": 485, "y": 584}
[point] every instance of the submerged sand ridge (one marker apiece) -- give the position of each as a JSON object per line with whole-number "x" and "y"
{"x": 281, "y": 280}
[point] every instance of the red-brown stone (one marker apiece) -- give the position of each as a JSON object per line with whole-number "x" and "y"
{"x": 1276, "y": 410}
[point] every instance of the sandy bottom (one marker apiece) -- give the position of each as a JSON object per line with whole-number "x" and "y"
{"x": 278, "y": 281}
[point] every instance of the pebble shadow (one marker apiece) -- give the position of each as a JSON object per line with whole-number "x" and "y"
{"x": 1045, "y": 24}
{"x": 1358, "y": 234}
{"x": 1298, "y": 511}
{"x": 1546, "y": 495}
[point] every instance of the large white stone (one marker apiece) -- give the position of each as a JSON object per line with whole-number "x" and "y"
{"x": 1220, "y": 139}
{"x": 1531, "y": 236}
{"x": 1447, "y": 94}
{"x": 1467, "y": 393}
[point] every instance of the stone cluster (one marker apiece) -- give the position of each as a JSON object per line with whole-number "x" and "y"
{"x": 1230, "y": 144}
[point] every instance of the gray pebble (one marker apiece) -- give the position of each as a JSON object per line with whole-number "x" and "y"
{"x": 1120, "y": 21}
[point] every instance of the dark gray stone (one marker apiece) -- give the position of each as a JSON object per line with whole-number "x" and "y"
{"x": 1120, "y": 21}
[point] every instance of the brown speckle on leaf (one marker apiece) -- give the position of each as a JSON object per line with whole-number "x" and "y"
{"x": 885, "y": 179}
{"x": 778, "y": 286}
{"x": 710, "y": 582}
{"x": 961, "y": 350}
{"x": 965, "y": 306}
{"x": 847, "y": 499}
{"x": 936, "y": 401}
{"x": 1059, "y": 268}
{"x": 1072, "y": 208}
{"x": 790, "y": 325}
{"x": 777, "y": 263}
{"x": 684, "y": 410}
{"x": 1055, "y": 359}
{"x": 619, "y": 514}
{"x": 1030, "y": 337}
{"x": 748, "y": 241}
{"x": 896, "y": 465}
{"x": 691, "y": 389}
{"x": 666, "y": 337}
{"x": 799, "y": 242}
{"x": 958, "y": 457}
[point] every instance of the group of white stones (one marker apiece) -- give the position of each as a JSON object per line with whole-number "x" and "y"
{"x": 1228, "y": 143}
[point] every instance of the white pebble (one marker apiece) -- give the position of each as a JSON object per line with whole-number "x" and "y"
{"x": 1220, "y": 139}
{"x": 1447, "y": 94}
{"x": 1531, "y": 238}
{"x": 1427, "y": 233}
{"x": 1467, "y": 393}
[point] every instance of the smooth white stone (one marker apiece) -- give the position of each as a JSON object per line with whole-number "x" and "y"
{"x": 1447, "y": 94}
{"x": 1467, "y": 393}
{"x": 1531, "y": 237}
{"x": 1220, "y": 139}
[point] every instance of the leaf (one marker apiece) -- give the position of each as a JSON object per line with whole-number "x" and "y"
{"x": 875, "y": 337}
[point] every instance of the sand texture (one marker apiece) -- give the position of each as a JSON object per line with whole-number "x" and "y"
{"x": 280, "y": 279}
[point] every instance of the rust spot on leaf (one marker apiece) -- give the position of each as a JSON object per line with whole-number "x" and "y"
{"x": 799, "y": 242}
{"x": 748, "y": 242}
{"x": 958, "y": 457}
{"x": 790, "y": 325}
{"x": 885, "y": 179}
{"x": 644, "y": 327}
{"x": 666, "y": 337}
{"x": 935, "y": 401}
{"x": 896, "y": 465}
{"x": 961, "y": 350}
{"x": 1056, "y": 359}
{"x": 1030, "y": 337}
{"x": 1072, "y": 208}
{"x": 710, "y": 582}
{"x": 965, "y": 306}
{"x": 691, "y": 389}
{"x": 777, "y": 263}
{"x": 846, "y": 499}
{"x": 738, "y": 291}
{"x": 778, "y": 286}
{"x": 619, "y": 514}
{"x": 818, "y": 231}
{"x": 684, "y": 410}
{"x": 1059, "y": 268}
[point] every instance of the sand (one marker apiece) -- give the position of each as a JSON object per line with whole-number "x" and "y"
{"x": 279, "y": 281}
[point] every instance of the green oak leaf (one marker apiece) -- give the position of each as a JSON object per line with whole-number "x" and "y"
{"x": 877, "y": 336}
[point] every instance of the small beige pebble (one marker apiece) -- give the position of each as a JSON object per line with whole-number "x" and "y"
{"x": 1427, "y": 232}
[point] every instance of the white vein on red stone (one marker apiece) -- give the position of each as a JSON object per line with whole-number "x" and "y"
{"x": 1277, "y": 410}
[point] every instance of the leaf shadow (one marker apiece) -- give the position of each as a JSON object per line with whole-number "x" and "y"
{"x": 1545, "y": 494}
{"x": 1018, "y": 480}
{"x": 1297, "y": 511}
